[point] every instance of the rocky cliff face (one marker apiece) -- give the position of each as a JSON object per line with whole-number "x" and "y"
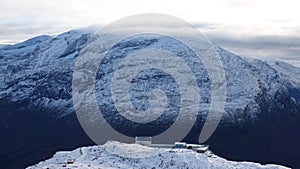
{"x": 36, "y": 76}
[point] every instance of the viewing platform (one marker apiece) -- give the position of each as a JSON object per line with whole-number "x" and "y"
{"x": 200, "y": 148}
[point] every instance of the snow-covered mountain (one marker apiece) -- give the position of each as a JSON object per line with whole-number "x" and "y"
{"x": 146, "y": 157}
{"x": 262, "y": 99}
{"x": 41, "y": 69}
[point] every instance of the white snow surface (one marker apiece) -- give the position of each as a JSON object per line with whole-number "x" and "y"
{"x": 287, "y": 71}
{"x": 100, "y": 157}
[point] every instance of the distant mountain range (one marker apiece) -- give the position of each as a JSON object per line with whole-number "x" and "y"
{"x": 37, "y": 118}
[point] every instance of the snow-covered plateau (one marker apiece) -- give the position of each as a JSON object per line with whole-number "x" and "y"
{"x": 104, "y": 156}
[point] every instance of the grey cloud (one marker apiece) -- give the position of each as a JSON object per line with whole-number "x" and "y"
{"x": 16, "y": 31}
{"x": 286, "y": 48}
{"x": 282, "y": 47}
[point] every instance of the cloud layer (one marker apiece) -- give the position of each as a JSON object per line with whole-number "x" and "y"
{"x": 259, "y": 28}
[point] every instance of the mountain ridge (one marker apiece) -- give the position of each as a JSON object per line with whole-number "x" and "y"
{"x": 49, "y": 56}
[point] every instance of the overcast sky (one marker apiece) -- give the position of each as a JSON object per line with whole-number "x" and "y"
{"x": 257, "y": 28}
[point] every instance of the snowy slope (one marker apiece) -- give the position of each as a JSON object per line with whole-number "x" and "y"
{"x": 101, "y": 157}
{"x": 41, "y": 69}
{"x": 2, "y": 45}
{"x": 287, "y": 71}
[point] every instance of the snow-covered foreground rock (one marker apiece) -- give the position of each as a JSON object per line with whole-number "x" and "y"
{"x": 103, "y": 156}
